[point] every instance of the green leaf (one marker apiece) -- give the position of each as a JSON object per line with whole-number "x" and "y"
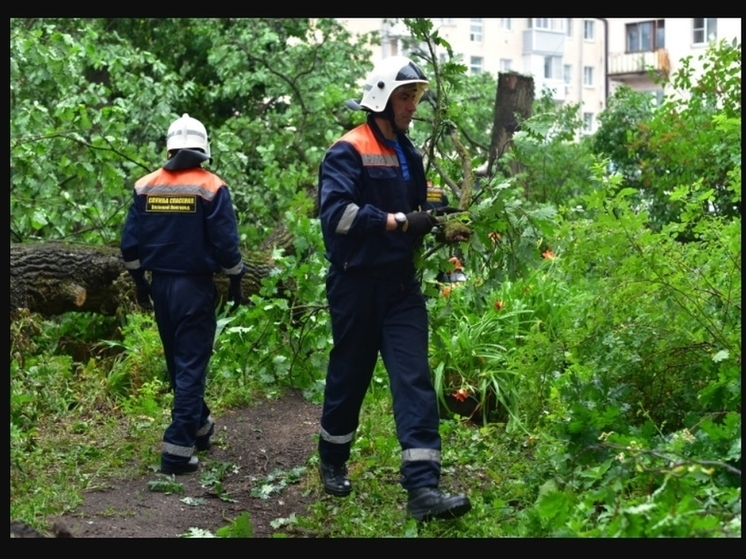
{"x": 39, "y": 219}
{"x": 241, "y": 527}
{"x": 193, "y": 502}
{"x": 198, "y": 533}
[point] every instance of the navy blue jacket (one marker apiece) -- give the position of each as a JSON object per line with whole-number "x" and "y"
{"x": 360, "y": 181}
{"x": 181, "y": 222}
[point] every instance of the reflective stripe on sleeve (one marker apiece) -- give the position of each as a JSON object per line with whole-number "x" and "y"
{"x": 234, "y": 270}
{"x": 132, "y": 264}
{"x": 336, "y": 439}
{"x": 347, "y": 218}
{"x": 420, "y": 454}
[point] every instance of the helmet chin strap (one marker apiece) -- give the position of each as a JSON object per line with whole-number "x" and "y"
{"x": 388, "y": 112}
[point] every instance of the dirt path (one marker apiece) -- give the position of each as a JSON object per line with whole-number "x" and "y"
{"x": 273, "y": 437}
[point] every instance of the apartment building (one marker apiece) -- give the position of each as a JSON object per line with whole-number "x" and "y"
{"x": 637, "y": 45}
{"x": 580, "y": 60}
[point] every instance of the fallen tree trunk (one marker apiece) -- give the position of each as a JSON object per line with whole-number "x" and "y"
{"x": 54, "y": 278}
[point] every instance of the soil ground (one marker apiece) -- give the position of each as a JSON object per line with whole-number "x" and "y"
{"x": 272, "y": 436}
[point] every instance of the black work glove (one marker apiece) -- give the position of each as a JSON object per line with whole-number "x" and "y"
{"x": 235, "y": 292}
{"x": 420, "y": 223}
{"x": 143, "y": 293}
{"x": 446, "y": 210}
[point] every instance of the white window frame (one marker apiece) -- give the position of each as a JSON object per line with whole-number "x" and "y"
{"x": 506, "y": 64}
{"x": 588, "y": 122}
{"x": 568, "y": 27}
{"x": 506, "y": 23}
{"x": 589, "y": 77}
{"x": 547, "y": 23}
{"x": 589, "y": 30}
{"x": 475, "y": 30}
{"x": 567, "y": 73}
{"x": 704, "y": 27}
{"x": 552, "y": 67}
{"x": 657, "y": 96}
{"x": 476, "y": 65}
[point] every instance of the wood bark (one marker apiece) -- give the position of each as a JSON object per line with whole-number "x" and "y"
{"x": 514, "y": 96}
{"x": 54, "y": 278}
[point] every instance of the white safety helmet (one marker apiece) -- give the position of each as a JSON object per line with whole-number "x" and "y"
{"x": 387, "y": 75}
{"x": 187, "y": 133}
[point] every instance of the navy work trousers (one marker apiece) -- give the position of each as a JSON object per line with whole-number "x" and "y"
{"x": 372, "y": 314}
{"x": 185, "y": 313}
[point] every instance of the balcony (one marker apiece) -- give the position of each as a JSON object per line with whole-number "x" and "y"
{"x": 543, "y": 42}
{"x": 634, "y": 65}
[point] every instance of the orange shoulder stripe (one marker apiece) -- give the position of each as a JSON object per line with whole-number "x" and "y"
{"x": 367, "y": 145}
{"x": 192, "y": 182}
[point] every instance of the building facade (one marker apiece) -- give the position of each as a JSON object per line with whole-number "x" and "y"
{"x": 578, "y": 60}
{"x": 638, "y": 46}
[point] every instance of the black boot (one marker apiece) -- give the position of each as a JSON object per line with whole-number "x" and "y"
{"x": 335, "y": 479}
{"x": 180, "y": 467}
{"x": 203, "y": 442}
{"x": 428, "y": 502}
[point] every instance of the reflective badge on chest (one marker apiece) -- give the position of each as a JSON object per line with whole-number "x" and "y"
{"x": 171, "y": 204}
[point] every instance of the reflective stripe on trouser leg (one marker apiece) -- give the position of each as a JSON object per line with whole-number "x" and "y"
{"x": 419, "y": 454}
{"x": 176, "y": 450}
{"x": 404, "y": 349}
{"x": 351, "y": 362}
{"x": 185, "y": 312}
{"x": 206, "y": 426}
{"x": 334, "y": 449}
{"x": 337, "y": 439}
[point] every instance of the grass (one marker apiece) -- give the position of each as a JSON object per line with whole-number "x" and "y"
{"x": 51, "y": 474}
{"x": 482, "y": 462}
{"x": 71, "y": 451}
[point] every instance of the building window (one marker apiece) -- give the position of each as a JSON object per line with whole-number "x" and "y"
{"x": 568, "y": 27}
{"x": 476, "y": 64}
{"x": 645, "y": 36}
{"x": 567, "y": 73}
{"x": 588, "y": 122}
{"x": 705, "y": 29}
{"x": 589, "y": 30}
{"x": 475, "y": 30}
{"x": 506, "y": 23}
{"x": 506, "y": 64}
{"x": 657, "y": 96}
{"x": 444, "y": 20}
{"x": 393, "y": 49}
{"x": 549, "y": 23}
{"x": 552, "y": 67}
{"x": 588, "y": 76}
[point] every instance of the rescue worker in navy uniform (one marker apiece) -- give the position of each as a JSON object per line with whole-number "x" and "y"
{"x": 372, "y": 191}
{"x": 182, "y": 228}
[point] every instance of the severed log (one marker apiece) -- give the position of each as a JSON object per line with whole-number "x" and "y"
{"x": 54, "y": 278}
